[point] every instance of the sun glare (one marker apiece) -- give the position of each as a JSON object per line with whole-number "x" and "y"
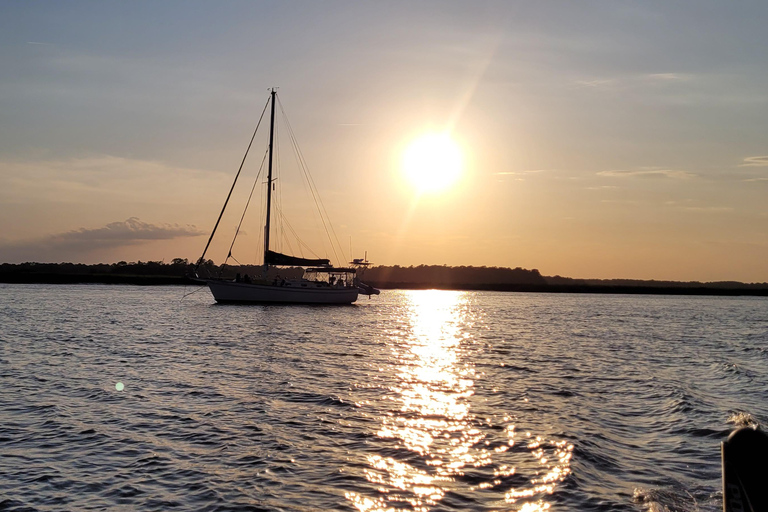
{"x": 432, "y": 162}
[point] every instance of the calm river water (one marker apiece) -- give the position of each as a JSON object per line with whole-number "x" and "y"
{"x": 130, "y": 398}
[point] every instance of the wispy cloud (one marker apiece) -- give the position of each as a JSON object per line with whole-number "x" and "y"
{"x": 707, "y": 209}
{"x": 620, "y": 201}
{"x": 755, "y": 161}
{"x": 518, "y": 175}
{"x": 635, "y": 81}
{"x": 598, "y": 83}
{"x": 688, "y": 205}
{"x": 649, "y": 173}
{"x": 667, "y": 77}
{"x": 78, "y": 244}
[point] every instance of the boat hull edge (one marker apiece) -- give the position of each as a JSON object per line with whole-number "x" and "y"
{"x": 228, "y": 292}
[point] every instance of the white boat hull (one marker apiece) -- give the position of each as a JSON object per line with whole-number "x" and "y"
{"x": 305, "y": 293}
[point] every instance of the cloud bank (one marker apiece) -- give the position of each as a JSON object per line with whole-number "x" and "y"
{"x": 132, "y": 230}
{"x": 80, "y": 244}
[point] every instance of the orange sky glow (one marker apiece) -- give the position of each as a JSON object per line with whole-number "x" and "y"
{"x": 590, "y": 140}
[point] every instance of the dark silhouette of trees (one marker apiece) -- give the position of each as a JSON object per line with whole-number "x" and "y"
{"x": 442, "y": 276}
{"x": 181, "y": 271}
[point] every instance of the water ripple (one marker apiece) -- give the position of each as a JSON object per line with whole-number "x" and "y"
{"x": 422, "y": 400}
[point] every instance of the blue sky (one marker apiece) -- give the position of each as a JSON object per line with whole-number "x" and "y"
{"x": 600, "y": 139}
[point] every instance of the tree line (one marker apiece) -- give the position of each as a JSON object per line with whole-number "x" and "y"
{"x": 182, "y": 271}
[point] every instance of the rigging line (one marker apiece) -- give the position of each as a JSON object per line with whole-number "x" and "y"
{"x": 282, "y": 218}
{"x": 255, "y": 182}
{"x": 199, "y": 262}
{"x": 278, "y": 196}
{"x": 323, "y": 213}
{"x": 275, "y": 224}
{"x": 299, "y": 240}
{"x": 313, "y": 188}
{"x": 190, "y": 293}
{"x": 302, "y": 243}
{"x": 262, "y": 215}
{"x": 308, "y": 192}
{"x": 303, "y": 167}
{"x": 321, "y": 226}
{"x": 330, "y": 224}
{"x": 308, "y": 176}
{"x": 302, "y": 164}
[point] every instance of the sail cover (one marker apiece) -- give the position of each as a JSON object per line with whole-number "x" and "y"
{"x": 276, "y": 258}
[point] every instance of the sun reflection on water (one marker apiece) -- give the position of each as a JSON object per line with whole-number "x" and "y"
{"x": 439, "y": 439}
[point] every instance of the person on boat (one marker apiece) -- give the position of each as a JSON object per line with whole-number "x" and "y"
{"x": 247, "y": 279}
{"x": 237, "y": 277}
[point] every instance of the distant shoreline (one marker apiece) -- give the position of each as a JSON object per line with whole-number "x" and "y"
{"x": 45, "y": 278}
{"x": 143, "y": 280}
{"x": 586, "y": 288}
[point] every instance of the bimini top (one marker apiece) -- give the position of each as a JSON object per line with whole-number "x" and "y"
{"x": 332, "y": 270}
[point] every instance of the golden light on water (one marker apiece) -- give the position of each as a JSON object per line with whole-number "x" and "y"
{"x": 432, "y": 162}
{"x": 433, "y": 420}
{"x": 440, "y": 440}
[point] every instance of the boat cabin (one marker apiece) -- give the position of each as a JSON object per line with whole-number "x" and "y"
{"x": 332, "y": 276}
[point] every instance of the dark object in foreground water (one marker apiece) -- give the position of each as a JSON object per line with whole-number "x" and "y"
{"x": 745, "y": 471}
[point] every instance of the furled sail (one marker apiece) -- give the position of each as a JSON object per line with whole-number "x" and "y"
{"x": 276, "y": 258}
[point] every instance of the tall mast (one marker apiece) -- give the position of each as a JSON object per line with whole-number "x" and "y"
{"x": 269, "y": 176}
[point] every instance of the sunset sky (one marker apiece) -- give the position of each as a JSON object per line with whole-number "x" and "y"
{"x": 597, "y": 139}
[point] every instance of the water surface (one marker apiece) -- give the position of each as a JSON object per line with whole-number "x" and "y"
{"x": 413, "y": 400}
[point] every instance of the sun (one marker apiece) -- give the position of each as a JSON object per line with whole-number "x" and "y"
{"x": 432, "y": 162}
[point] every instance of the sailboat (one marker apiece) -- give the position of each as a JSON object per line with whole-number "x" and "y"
{"x": 321, "y": 283}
